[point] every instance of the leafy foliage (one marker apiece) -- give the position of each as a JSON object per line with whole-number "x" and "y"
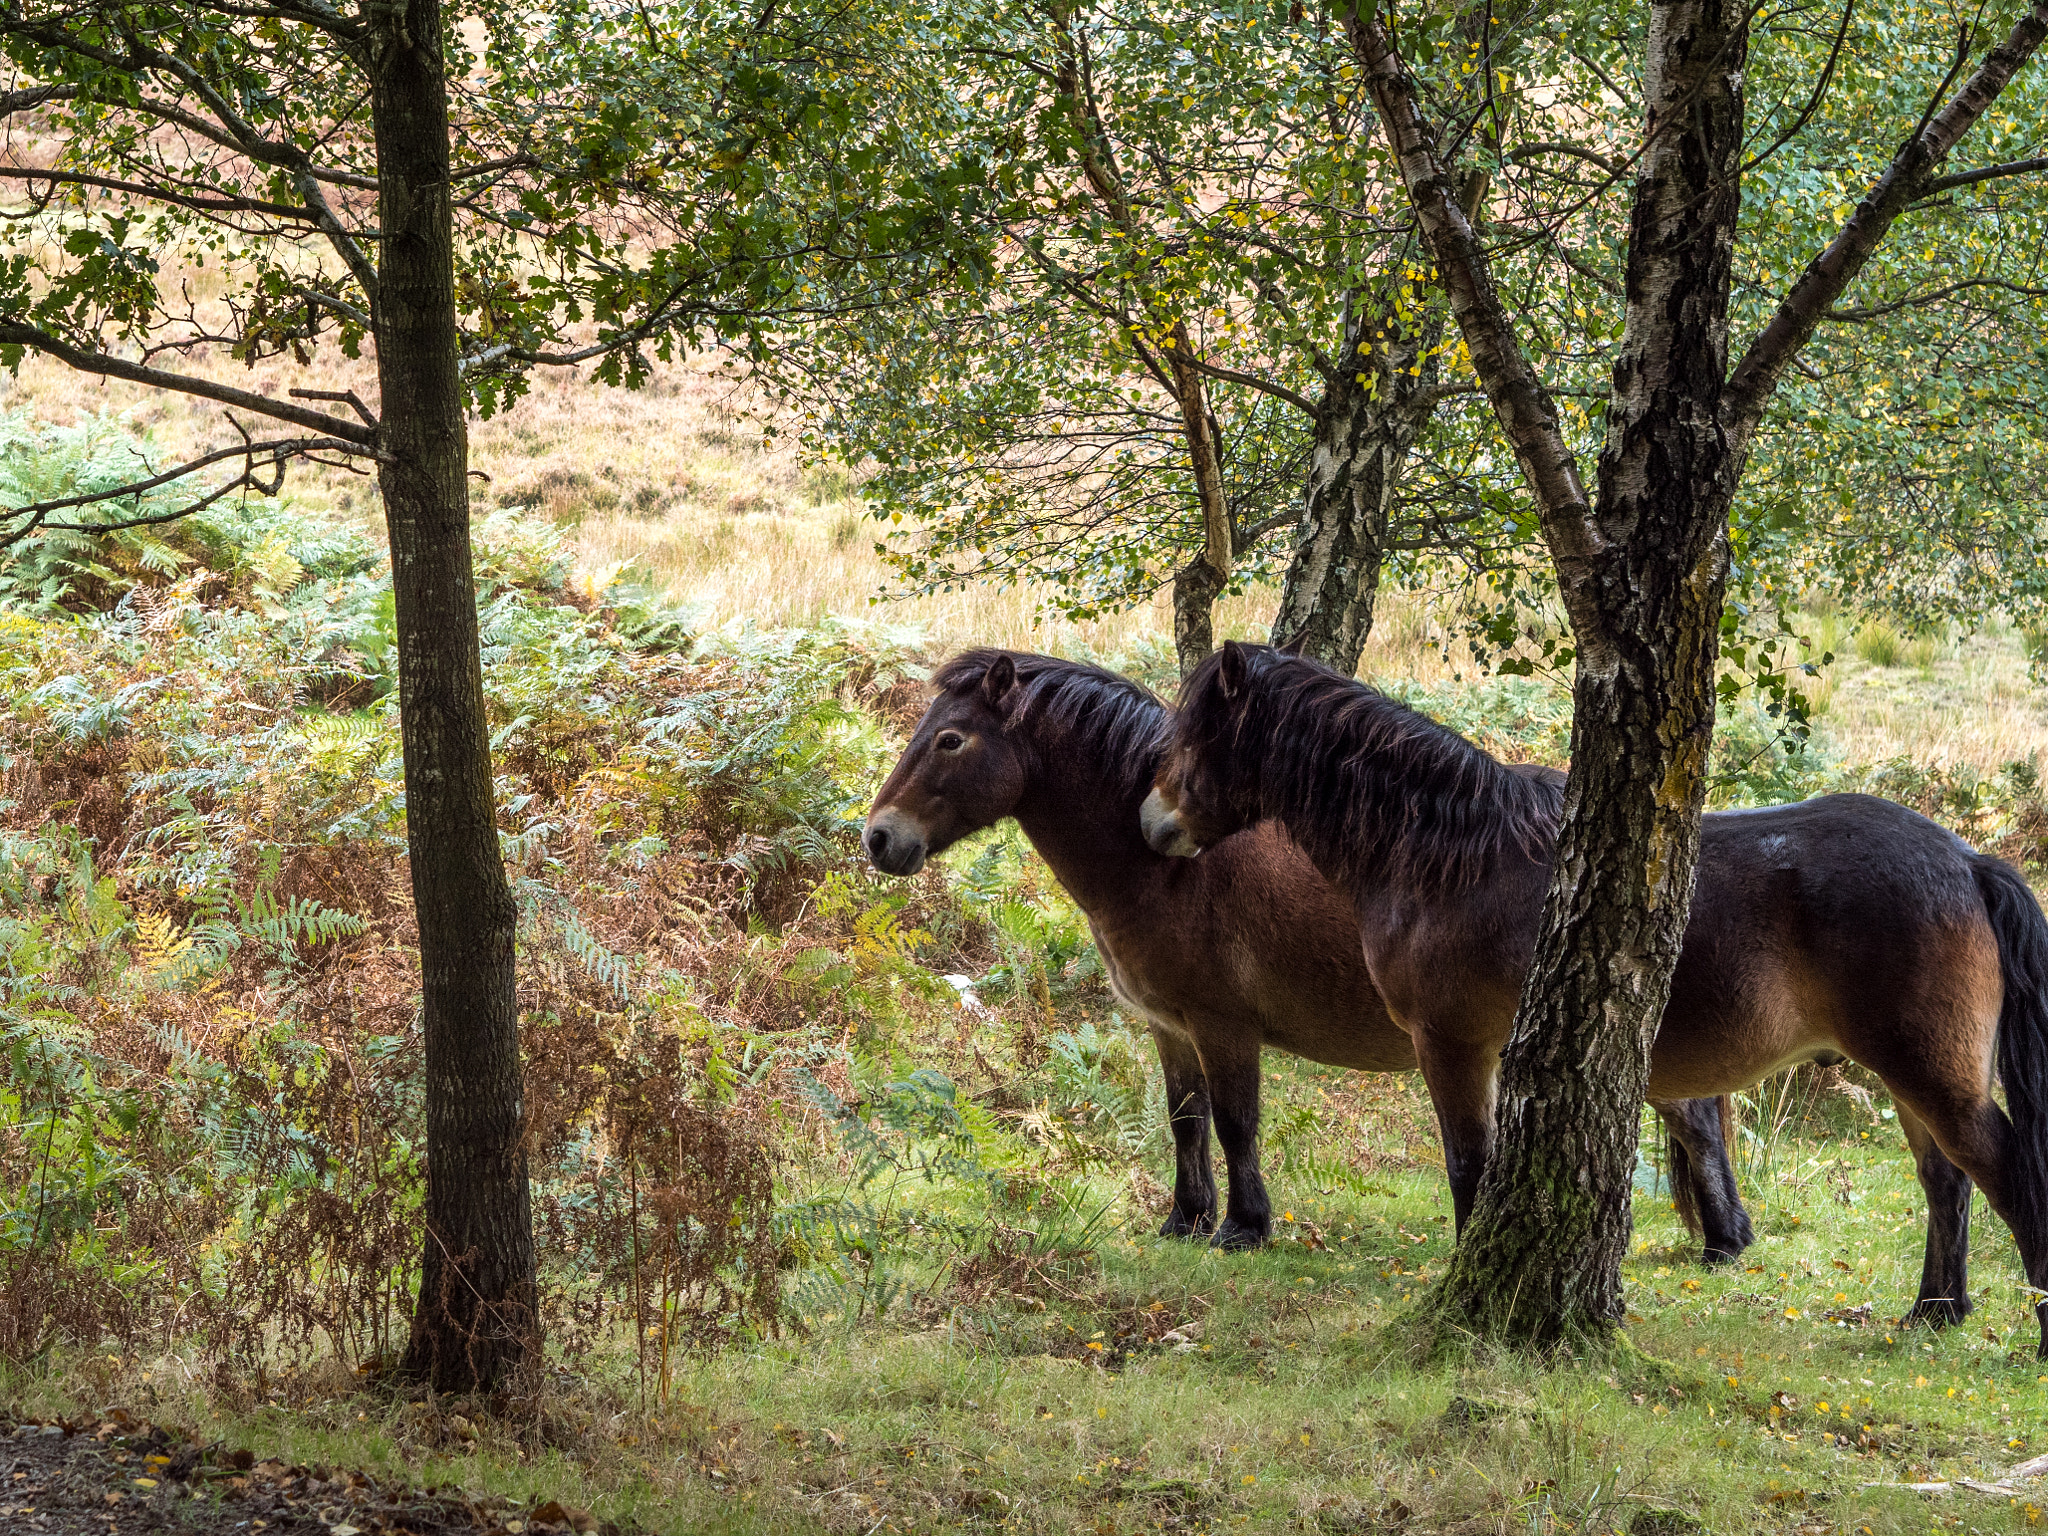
{"x": 209, "y": 1114}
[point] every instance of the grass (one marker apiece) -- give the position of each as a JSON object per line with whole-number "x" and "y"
{"x": 1968, "y": 700}
{"x": 1774, "y": 1396}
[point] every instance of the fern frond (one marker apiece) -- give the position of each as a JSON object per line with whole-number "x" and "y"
{"x": 613, "y": 971}
{"x": 159, "y": 943}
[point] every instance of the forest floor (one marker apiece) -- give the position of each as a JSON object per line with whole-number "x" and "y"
{"x": 1151, "y": 1385}
{"x": 124, "y": 1477}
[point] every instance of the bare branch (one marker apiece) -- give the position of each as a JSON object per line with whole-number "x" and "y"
{"x": 1988, "y": 173}
{"x": 109, "y": 366}
{"x": 342, "y": 396}
{"x": 1522, "y": 154}
{"x": 519, "y": 162}
{"x": 255, "y": 457}
{"x": 157, "y": 193}
{"x": 35, "y": 96}
{"x": 1252, "y": 381}
{"x": 1829, "y": 274}
{"x": 1922, "y": 300}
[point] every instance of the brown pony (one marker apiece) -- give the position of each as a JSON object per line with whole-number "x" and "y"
{"x": 1244, "y": 948}
{"x": 1842, "y": 924}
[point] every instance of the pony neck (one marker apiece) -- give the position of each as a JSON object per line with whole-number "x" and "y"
{"x": 1384, "y": 799}
{"x": 1084, "y": 824}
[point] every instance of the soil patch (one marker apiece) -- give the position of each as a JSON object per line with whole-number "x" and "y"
{"x": 122, "y": 1477}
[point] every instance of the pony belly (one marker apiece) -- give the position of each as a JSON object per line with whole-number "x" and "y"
{"x": 1340, "y": 1039}
{"x": 1696, "y": 1059}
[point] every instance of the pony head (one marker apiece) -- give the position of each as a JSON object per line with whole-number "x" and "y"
{"x": 960, "y": 773}
{"x": 1206, "y": 789}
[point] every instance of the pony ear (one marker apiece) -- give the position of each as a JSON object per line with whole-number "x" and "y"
{"x": 1233, "y": 669}
{"x": 998, "y": 681}
{"x": 1296, "y": 646}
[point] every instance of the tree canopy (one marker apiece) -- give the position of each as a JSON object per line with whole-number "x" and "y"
{"x": 1019, "y": 421}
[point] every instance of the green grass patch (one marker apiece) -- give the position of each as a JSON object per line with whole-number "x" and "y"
{"x": 1148, "y": 1384}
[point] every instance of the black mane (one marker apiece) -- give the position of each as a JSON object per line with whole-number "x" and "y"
{"x": 1369, "y": 787}
{"x": 1067, "y": 709}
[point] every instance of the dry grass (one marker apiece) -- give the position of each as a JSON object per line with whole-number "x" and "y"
{"x": 1939, "y": 701}
{"x": 678, "y": 478}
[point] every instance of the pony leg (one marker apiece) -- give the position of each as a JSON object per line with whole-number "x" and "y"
{"x": 1976, "y": 1142}
{"x": 1187, "y": 1106}
{"x": 1233, "y": 1074}
{"x": 1461, "y": 1079}
{"x": 1703, "y": 1179}
{"x": 1945, "y": 1273}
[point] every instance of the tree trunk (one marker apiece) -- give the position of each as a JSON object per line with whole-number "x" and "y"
{"x": 1196, "y": 589}
{"x": 474, "y": 1321}
{"x": 1642, "y": 581}
{"x": 1194, "y": 607}
{"x": 1540, "y": 1260}
{"x": 1362, "y": 437}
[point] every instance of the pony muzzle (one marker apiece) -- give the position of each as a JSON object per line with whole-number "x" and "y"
{"x": 1162, "y": 828}
{"x": 895, "y": 844}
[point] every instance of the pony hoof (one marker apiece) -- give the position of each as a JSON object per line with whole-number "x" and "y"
{"x": 1232, "y": 1238}
{"x": 1939, "y": 1312}
{"x": 1718, "y": 1256}
{"x": 1180, "y": 1225}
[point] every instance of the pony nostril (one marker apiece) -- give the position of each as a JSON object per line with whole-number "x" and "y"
{"x": 878, "y": 844}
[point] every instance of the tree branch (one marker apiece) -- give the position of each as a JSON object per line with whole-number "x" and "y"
{"x": 1820, "y": 89}
{"x": 1826, "y": 277}
{"x": 142, "y": 191}
{"x": 275, "y": 454}
{"x": 1523, "y": 153}
{"x": 170, "y": 112}
{"x": 1922, "y": 300}
{"x": 1988, "y": 173}
{"x": 108, "y": 366}
{"x": 1526, "y": 412}
{"x": 35, "y": 96}
{"x": 1251, "y": 381}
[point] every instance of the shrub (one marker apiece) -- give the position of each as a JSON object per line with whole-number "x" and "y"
{"x": 209, "y": 1092}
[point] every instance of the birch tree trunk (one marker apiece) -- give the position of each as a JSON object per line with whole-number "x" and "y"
{"x": 1541, "y": 1258}
{"x": 1196, "y": 589}
{"x": 1363, "y": 433}
{"x": 1642, "y": 581}
{"x": 1376, "y": 401}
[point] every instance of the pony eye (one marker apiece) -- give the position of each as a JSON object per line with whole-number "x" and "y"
{"x": 951, "y": 741}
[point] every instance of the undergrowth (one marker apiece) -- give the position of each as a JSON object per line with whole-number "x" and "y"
{"x": 843, "y": 1186}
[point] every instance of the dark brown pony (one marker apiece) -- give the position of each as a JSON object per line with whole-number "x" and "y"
{"x": 1843, "y": 924}
{"x": 1244, "y": 948}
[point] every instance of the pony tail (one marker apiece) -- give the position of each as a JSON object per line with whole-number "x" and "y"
{"x": 1679, "y": 1161}
{"x": 2022, "y": 1037}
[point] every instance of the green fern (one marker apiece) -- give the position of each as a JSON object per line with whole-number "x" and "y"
{"x": 299, "y": 920}
{"x": 613, "y": 971}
